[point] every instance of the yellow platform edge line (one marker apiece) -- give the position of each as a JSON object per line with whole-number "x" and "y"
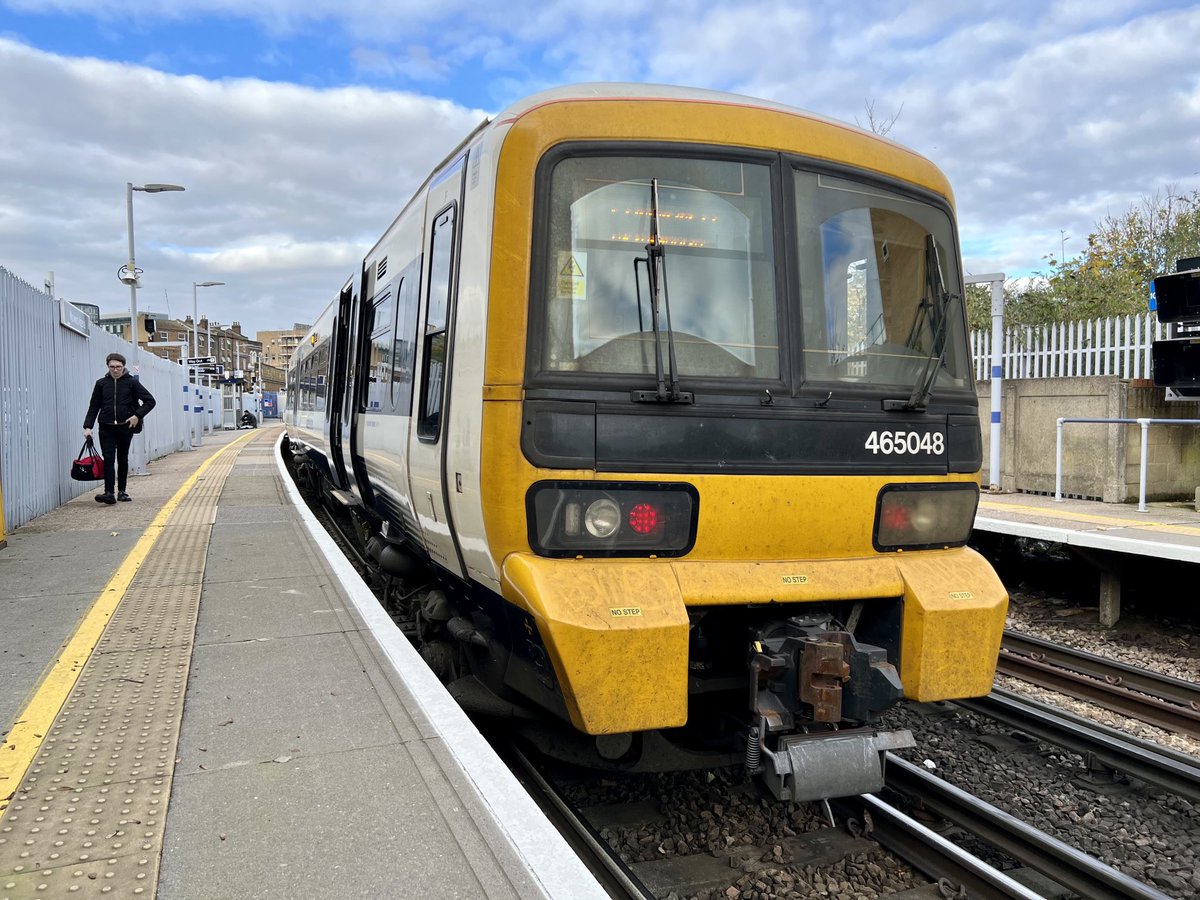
{"x": 24, "y": 740}
{"x": 1111, "y": 521}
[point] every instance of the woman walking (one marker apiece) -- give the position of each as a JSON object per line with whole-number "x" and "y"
{"x": 120, "y": 402}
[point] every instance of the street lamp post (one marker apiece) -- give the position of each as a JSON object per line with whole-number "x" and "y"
{"x": 197, "y": 426}
{"x": 212, "y": 425}
{"x": 130, "y": 271}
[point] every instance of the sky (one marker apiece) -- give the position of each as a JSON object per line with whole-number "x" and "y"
{"x": 300, "y": 129}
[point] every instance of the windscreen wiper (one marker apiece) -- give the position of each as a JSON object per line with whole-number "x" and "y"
{"x": 938, "y": 308}
{"x": 660, "y": 308}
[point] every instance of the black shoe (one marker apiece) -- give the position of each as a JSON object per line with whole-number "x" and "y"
{"x": 105, "y": 498}
{"x": 124, "y": 497}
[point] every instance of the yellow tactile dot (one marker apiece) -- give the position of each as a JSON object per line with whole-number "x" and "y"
{"x": 120, "y": 723}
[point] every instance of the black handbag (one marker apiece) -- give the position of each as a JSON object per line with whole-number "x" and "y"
{"x": 90, "y": 465}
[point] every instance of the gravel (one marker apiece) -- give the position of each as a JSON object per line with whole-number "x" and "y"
{"x": 1167, "y": 647}
{"x": 1138, "y": 829}
{"x": 713, "y": 811}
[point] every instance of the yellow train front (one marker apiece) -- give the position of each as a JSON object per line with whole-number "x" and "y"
{"x": 675, "y": 412}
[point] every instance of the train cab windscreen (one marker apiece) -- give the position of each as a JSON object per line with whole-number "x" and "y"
{"x": 714, "y": 225}
{"x": 879, "y": 302}
{"x": 878, "y": 286}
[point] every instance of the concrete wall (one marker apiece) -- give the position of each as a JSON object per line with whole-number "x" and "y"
{"x": 1173, "y": 451}
{"x": 1100, "y": 462}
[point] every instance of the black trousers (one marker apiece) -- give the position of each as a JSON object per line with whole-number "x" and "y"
{"x": 114, "y": 447}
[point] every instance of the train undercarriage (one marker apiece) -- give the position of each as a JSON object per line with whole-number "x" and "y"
{"x": 792, "y": 693}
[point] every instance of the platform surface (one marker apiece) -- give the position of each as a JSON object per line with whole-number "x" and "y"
{"x": 1164, "y": 530}
{"x": 197, "y": 700}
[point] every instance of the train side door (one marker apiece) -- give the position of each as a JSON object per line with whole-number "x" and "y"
{"x": 336, "y": 394}
{"x": 353, "y": 401}
{"x": 428, "y": 437}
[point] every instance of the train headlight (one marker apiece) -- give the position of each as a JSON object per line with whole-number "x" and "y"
{"x": 924, "y": 516}
{"x": 602, "y": 518}
{"x": 612, "y": 518}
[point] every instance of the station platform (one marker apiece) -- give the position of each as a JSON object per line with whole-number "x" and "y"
{"x": 1106, "y": 534}
{"x": 199, "y": 698}
{"x": 1164, "y": 530}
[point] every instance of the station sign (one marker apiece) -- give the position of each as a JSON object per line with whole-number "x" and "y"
{"x": 72, "y": 317}
{"x": 200, "y": 360}
{"x": 210, "y": 370}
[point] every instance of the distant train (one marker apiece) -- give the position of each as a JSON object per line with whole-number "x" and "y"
{"x": 655, "y": 407}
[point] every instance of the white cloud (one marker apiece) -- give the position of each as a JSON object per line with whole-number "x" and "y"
{"x": 1045, "y": 116}
{"x": 286, "y": 186}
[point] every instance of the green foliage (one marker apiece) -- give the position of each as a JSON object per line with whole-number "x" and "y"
{"x": 1030, "y": 304}
{"x": 1111, "y": 277}
{"x": 979, "y": 307}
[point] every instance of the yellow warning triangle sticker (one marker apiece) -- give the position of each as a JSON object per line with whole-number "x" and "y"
{"x": 572, "y": 269}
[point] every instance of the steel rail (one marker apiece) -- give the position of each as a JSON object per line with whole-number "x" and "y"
{"x": 1115, "y": 686}
{"x": 1168, "y": 769}
{"x": 929, "y": 852}
{"x": 1147, "y": 681}
{"x": 1059, "y": 861}
{"x": 614, "y": 876}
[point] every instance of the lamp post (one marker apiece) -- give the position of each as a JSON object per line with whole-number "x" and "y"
{"x": 130, "y": 270}
{"x": 197, "y": 426}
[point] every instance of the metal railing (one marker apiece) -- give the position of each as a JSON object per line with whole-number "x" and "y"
{"x": 1145, "y": 426}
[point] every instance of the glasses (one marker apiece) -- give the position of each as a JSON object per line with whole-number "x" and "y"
{"x": 116, "y": 365}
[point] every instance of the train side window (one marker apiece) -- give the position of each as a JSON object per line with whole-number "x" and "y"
{"x": 433, "y": 374}
{"x": 404, "y": 348}
{"x": 378, "y": 364}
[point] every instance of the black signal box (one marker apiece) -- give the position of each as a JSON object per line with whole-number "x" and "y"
{"x": 1177, "y": 296}
{"x": 1177, "y": 364}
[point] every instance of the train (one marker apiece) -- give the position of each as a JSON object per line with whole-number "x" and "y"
{"x": 653, "y": 411}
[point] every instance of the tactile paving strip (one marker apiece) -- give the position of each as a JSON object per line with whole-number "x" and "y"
{"x": 88, "y": 818}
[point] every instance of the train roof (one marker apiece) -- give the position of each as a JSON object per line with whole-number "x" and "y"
{"x": 615, "y": 90}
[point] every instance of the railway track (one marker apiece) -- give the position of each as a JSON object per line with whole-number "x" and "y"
{"x": 1102, "y": 746}
{"x": 1018, "y": 840}
{"x": 612, "y": 873}
{"x": 872, "y": 821}
{"x": 1160, "y": 700}
{"x": 953, "y": 872}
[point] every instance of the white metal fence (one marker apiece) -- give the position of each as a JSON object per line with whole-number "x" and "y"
{"x": 46, "y": 375}
{"x": 1119, "y": 346}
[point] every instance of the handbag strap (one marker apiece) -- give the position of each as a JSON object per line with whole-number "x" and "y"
{"x": 87, "y": 446}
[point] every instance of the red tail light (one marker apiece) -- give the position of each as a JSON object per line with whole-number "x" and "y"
{"x": 643, "y": 518}
{"x": 924, "y": 516}
{"x": 612, "y": 518}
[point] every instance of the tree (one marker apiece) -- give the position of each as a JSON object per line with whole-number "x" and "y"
{"x": 1112, "y": 275}
{"x": 877, "y": 123}
{"x": 1024, "y": 304}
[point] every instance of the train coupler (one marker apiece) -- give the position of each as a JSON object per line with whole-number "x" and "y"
{"x": 811, "y": 671}
{"x": 820, "y": 766}
{"x": 809, "y": 680}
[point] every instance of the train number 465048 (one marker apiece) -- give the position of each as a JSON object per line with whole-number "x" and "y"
{"x": 909, "y": 442}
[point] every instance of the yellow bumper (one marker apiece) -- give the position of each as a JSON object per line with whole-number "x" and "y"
{"x": 617, "y": 630}
{"x": 954, "y": 612}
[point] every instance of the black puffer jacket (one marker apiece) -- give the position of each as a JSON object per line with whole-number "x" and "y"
{"x": 114, "y": 400}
